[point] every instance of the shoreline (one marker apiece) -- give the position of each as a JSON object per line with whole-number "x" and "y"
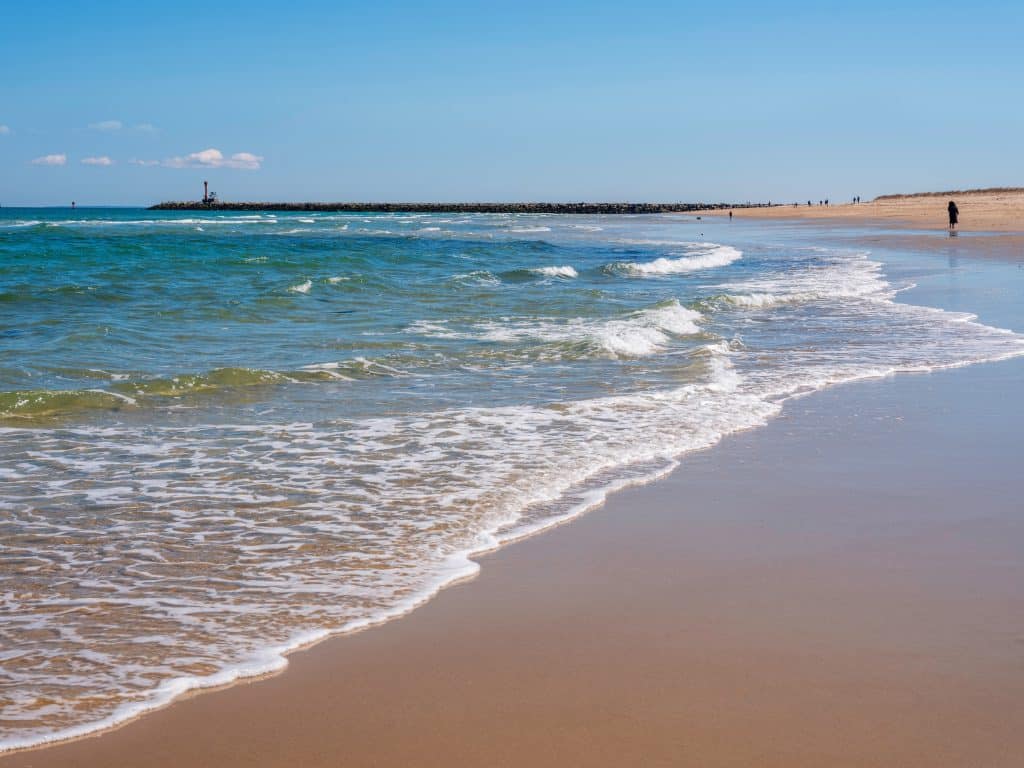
{"x": 182, "y": 734}
{"x": 463, "y": 568}
{"x": 337, "y": 642}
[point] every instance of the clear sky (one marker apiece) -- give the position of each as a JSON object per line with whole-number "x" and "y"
{"x": 120, "y": 102}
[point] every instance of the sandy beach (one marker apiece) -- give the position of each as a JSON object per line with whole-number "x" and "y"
{"x": 990, "y": 211}
{"x": 840, "y": 588}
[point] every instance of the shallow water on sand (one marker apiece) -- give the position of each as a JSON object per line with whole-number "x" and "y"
{"x": 223, "y": 436}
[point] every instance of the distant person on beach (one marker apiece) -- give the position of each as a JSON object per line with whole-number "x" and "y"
{"x": 954, "y": 214}
{"x": 730, "y": 215}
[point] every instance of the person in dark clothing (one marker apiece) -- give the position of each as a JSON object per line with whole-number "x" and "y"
{"x": 730, "y": 215}
{"x": 954, "y": 214}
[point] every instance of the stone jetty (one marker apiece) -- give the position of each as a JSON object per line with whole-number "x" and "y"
{"x": 604, "y": 208}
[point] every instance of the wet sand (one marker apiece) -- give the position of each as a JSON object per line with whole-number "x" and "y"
{"x": 989, "y": 212}
{"x": 844, "y": 587}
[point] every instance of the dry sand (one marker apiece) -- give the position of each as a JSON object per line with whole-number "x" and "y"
{"x": 980, "y": 211}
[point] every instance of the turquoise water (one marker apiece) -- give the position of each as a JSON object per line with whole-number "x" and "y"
{"x": 223, "y": 436}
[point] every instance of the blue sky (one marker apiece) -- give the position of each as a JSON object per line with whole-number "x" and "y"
{"x": 523, "y": 101}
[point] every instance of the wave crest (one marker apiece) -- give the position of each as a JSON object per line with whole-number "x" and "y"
{"x": 710, "y": 257}
{"x": 565, "y": 271}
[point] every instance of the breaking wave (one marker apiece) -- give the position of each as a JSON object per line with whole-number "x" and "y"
{"x": 702, "y": 256}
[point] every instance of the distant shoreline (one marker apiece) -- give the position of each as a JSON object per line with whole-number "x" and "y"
{"x": 994, "y": 210}
{"x": 579, "y": 208}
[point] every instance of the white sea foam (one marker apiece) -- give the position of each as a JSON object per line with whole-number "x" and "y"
{"x": 477, "y": 277}
{"x": 302, "y": 287}
{"x": 556, "y": 271}
{"x": 849, "y": 276}
{"x": 637, "y": 334}
{"x": 754, "y": 299}
{"x": 701, "y": 256}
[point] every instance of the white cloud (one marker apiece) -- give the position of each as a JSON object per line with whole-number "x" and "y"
{"x": 107, "y": 125}
{"x": 245, "y": 160}
{"x": 101, "y": 160}
{"x": 214, "y": 158}
{"x": 144, "y": 163}
{"x": 4, "y": 130}
{"x": 144, "y": 127}
{"x": 60, "y": 159}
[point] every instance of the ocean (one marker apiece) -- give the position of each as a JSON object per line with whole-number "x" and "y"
{"x": 225, "y": 436}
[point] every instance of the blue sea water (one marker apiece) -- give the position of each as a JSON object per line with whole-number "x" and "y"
{"x": 223, "y": 436}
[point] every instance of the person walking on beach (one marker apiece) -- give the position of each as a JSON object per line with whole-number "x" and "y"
{"x": 730, "y": 215}
{"x": 954, "y": 214}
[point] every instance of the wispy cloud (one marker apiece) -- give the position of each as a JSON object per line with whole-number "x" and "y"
{"x": 107, "y": 126}
{"x": 60, "y": 159}
{"x": 214, "y": 158}
{"x": 4, "y": 130}
{"x": 144, "y": 163}
{"x": 144, "y": 128}
{"x": 101, "y": 160}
